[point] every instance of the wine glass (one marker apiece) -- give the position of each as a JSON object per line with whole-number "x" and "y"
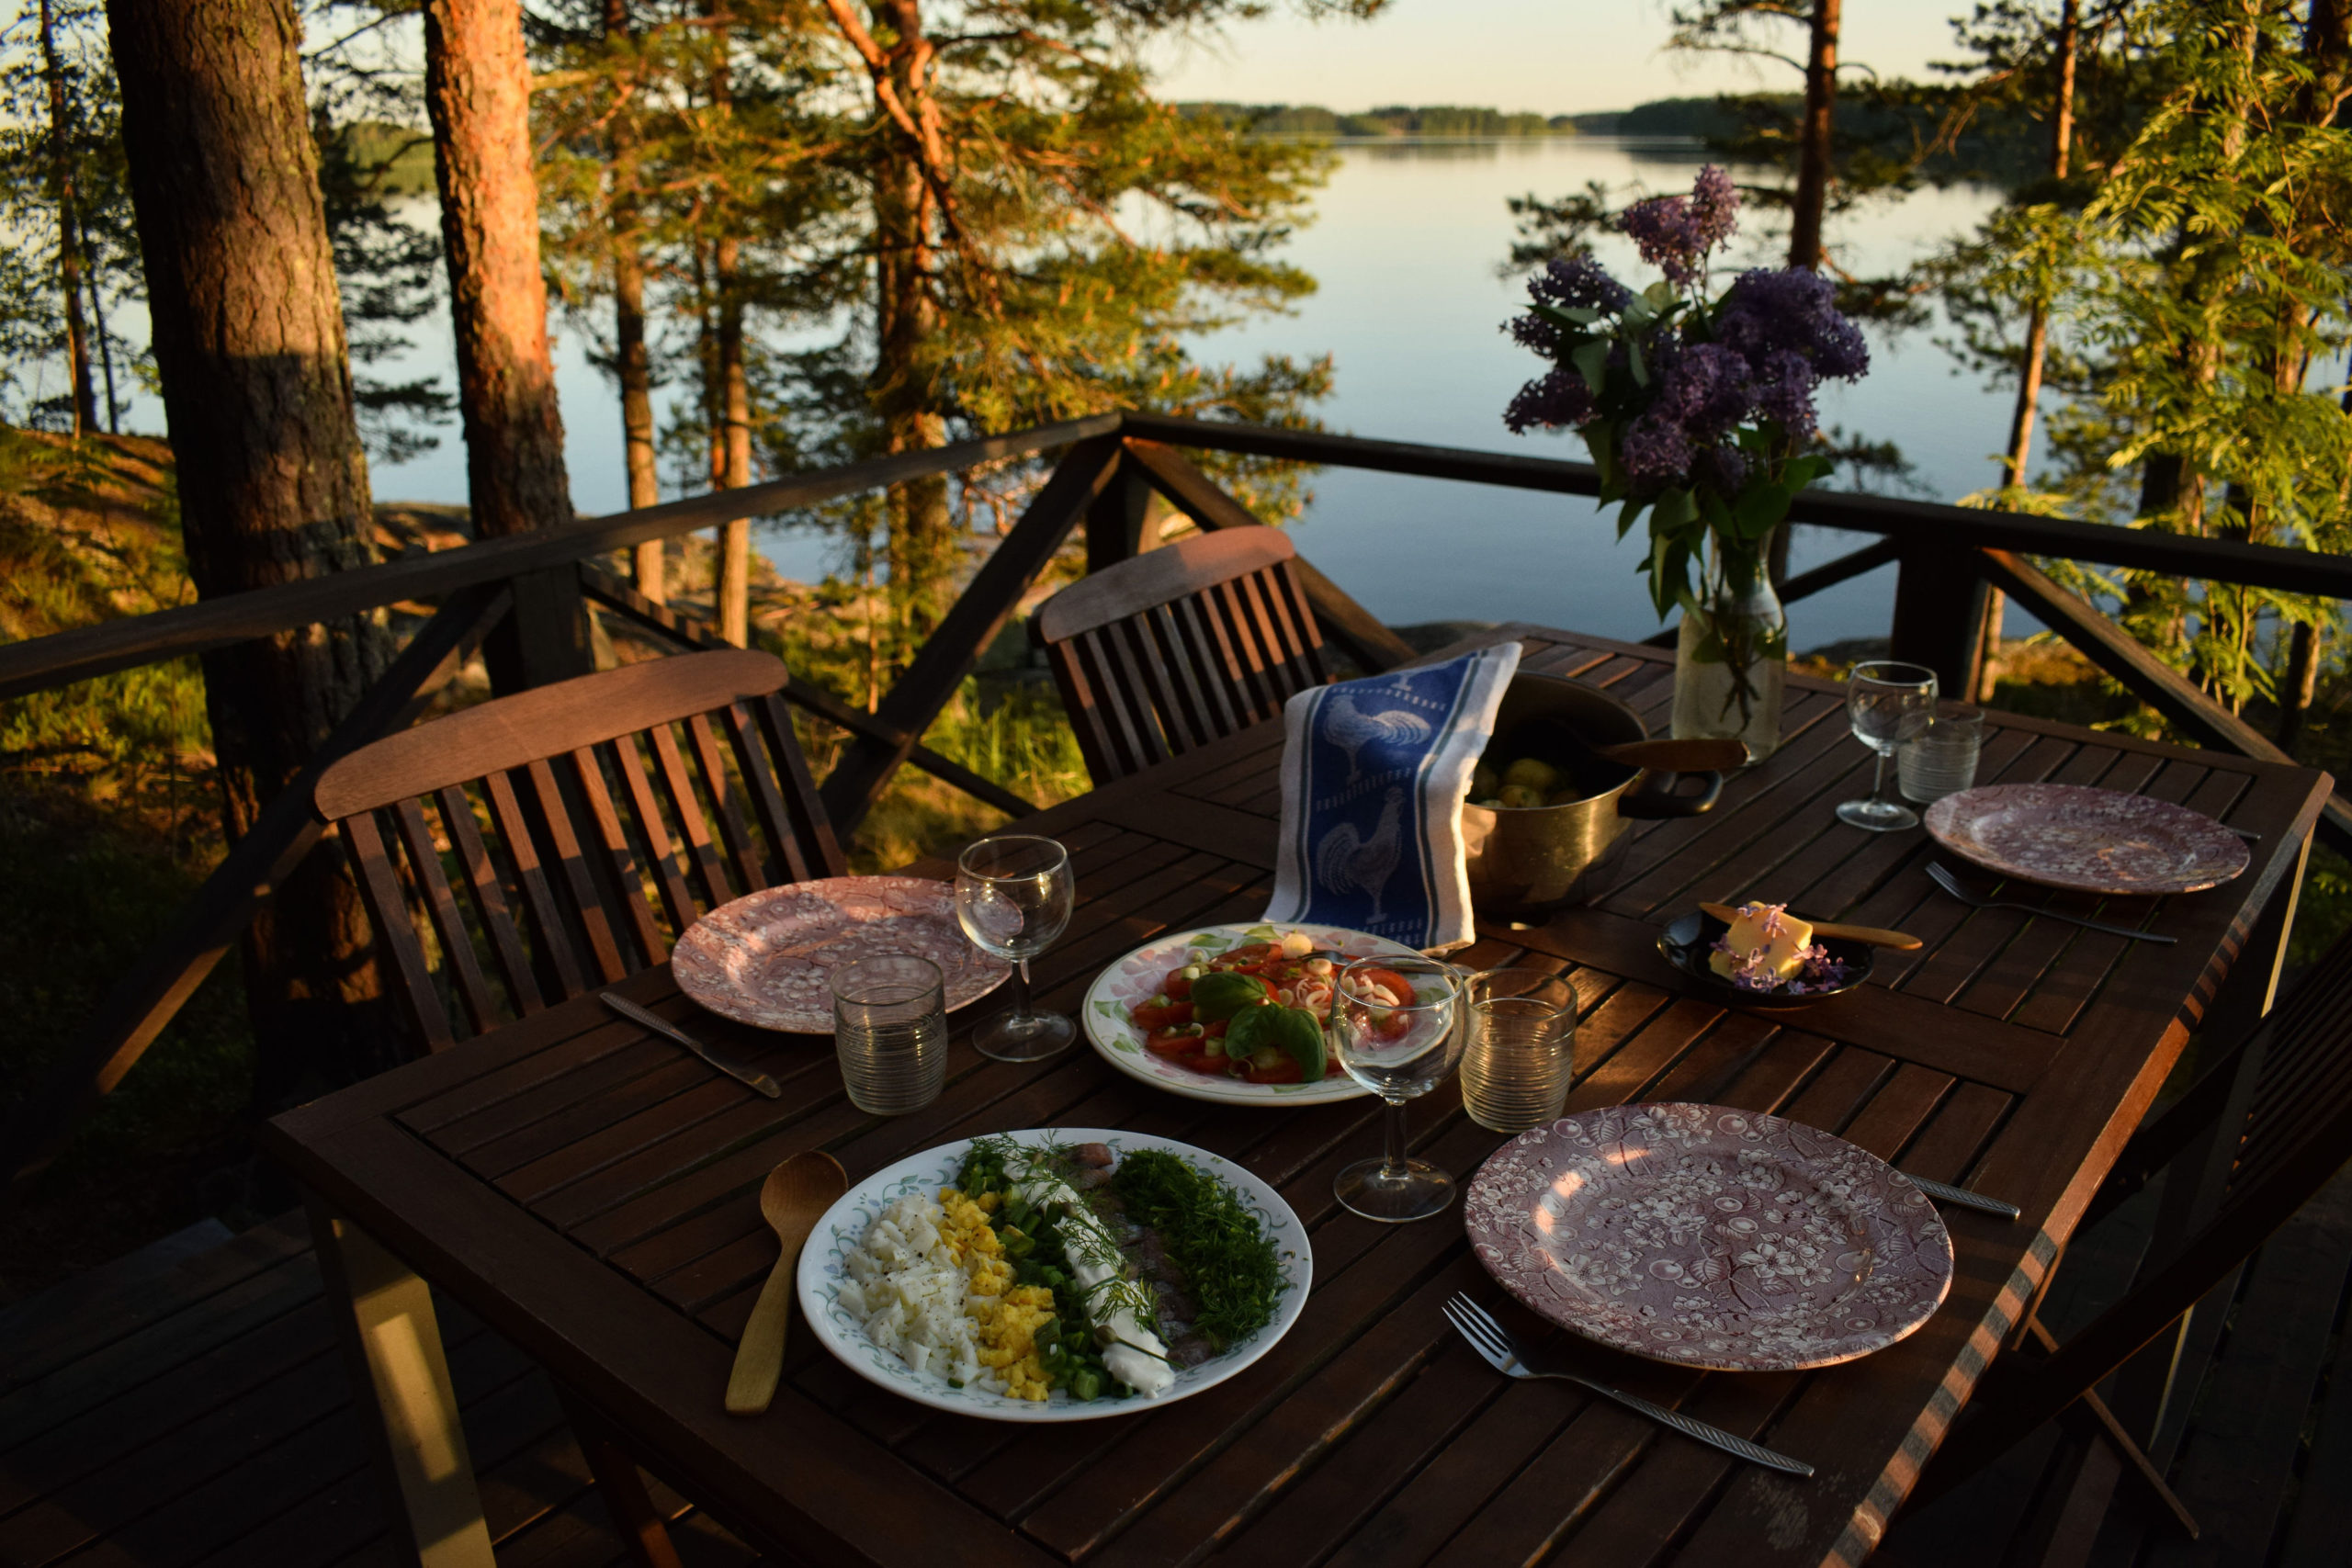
{"x": 1012, "y": 898}
{"x": 1397, "y": 1046}
{"x": 1888, "y": 703}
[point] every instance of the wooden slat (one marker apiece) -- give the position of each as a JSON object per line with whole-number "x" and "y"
{"x": 678, "y": 788}
{"x": 619, "y": 871}
{"x": 456, "y": 941}
{"x": 587, "y": 905}
{"x": 490, "y": 901}
{"x": 740, "y": 848}
{"x": 387, "y": 902}
{"x": 553, "y": 934}
{"x": 675, "y": 899}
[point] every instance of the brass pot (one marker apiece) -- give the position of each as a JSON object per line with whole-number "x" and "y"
{"x": 1526, "y": 863}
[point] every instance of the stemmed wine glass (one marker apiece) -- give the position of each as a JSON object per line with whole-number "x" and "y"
{"x": 1398, "y": 1047}
{"x": 1012, "y": 898}
{"x": 1888, "y": 703}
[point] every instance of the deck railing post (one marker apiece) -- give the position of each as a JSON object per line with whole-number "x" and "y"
{"x": 1939, "y": 604}
{"x": 1114, "y": 524}
{"x": 544, "y": 638}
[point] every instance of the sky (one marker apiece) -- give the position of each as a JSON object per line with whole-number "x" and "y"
{"x": 1548, "y": 56}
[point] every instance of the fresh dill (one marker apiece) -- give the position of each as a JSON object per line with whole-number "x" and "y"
{"x": 1230, "y": 1268}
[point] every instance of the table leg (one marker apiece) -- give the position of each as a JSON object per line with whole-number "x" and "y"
{"x": 400, "y": 1380}
{"x": 641, "y": 1528}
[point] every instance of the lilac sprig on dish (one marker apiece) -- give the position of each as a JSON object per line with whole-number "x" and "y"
{"x": 1818, "y": 971}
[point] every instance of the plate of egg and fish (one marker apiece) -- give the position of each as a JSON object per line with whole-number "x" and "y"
{"x": 1763, "y": 957}
{"x": 1052, "y": 1275}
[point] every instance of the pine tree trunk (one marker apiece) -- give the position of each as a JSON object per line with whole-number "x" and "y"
{"x": 273, "y": 487}
{"x": 1814, "y": 138}
{"x": 69, "y": 239}
{"x": 733, "y": 452}
{"x": 633, "y": 363}
{"x": 922, "y": 545}
{"x": 477, "y": 88}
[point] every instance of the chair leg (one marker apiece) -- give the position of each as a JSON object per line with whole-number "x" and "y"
{"x": 2091, "y": 1411}
{"x": 643, "y": 1529}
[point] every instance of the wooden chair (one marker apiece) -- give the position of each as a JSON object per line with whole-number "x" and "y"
{"x": 2291, "y": 1133}
{"x": 588, "y": 823}
{"x": 1180, "y": 646}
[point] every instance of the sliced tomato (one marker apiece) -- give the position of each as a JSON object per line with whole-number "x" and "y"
{"x": 1176, "y": 987}
{"x": 1172, "y": 1042}
{"x": 1284, "y": 1071}
{"x": 1249, "y": 956}
{"x": 1396, "y": 984}
{"x": 1158, "y": 1013}
{"x": 1216, "y": 1030}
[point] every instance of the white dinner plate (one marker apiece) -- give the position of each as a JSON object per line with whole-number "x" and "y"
{"x": 1116, "y": 990}
{"x": 844, "y": 1227}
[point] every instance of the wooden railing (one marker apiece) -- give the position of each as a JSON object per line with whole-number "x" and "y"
{"x": 533, "y": 590}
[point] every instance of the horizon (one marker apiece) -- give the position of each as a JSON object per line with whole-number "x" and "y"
{"x": 1565, "y": 59}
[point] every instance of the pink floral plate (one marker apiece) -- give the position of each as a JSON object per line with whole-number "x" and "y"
{"x": 763, "y": 959}
{"x": 1710, "y": 1237}
{"x": 2088, "y": 841}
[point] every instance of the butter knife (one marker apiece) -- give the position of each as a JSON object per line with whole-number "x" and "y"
{"x": 636, "y": 1014}
{"x": 1960, "y": 1197}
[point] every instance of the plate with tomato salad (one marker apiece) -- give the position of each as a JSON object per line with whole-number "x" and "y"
{"x": 1158, "y": 1015}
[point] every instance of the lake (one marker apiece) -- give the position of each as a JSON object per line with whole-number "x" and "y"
{"x": 1405, "y": 245}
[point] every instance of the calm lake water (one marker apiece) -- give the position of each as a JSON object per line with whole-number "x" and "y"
{"x": 1406, "y": 246}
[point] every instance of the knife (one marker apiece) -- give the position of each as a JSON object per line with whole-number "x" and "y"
{"x": 636, "y": 1014}
{"x": 1960, "y": 1197}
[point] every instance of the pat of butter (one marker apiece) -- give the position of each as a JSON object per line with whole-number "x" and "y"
{"x": 1766, "y": 939}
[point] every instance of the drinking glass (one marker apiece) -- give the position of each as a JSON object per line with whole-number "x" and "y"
{"x": 1012, "y": 898}
{"x": 1888, "y": 703}
{"x": 890, "y": 1031}
{"x": 1941, "y": 759}
{"x": 1521, "y": 1050}
{"x": 1398, "y": 1048}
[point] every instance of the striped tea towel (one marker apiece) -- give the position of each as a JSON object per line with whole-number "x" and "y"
{"x": 1373, "y": 773}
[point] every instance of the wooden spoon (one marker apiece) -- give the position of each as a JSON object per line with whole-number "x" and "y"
{"x": 792, "y": 1199}
{"x": 1901, "y": 941}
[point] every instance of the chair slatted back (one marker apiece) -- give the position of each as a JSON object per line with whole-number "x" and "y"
{"x": 1180, "y": 646}
{"x": 521, "y": 852}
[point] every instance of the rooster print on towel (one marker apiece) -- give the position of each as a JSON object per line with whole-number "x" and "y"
{"x": 1373, "y": 777}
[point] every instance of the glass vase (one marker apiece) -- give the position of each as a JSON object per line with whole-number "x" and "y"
{"x": 1731, "y": 662}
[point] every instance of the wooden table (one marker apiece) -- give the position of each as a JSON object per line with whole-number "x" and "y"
{"x": 590, "y": 1190}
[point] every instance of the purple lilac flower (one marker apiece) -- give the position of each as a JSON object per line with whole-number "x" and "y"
{"x": 1722, "y": 468}
{"x": 1766, "y": 310}
{"x": 1572, "y": 283}
{"x": 1703, "y": 385}
{"x": 1668, "y": 235}
{"x": 1784, "y": 389}
{"x": 1555, "y": 398}
{"x": 1656, "y": 453}
{"x": 1714, "y": 205}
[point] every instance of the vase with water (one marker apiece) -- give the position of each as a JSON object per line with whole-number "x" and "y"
{"x": 1730, "y": 659}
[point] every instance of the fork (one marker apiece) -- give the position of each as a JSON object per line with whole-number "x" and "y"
{"x": 1951, "y": 885}
{"x": 1493, "y": 1344}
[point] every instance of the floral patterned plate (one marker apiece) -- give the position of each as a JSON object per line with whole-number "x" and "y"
{"x": 2088, "y": 841}
{"x": 1118, "y": 1042}
{"x": 763, "y": 959}
{"x": 1710, "y": 1237}
{"x": 844, "y": 1227}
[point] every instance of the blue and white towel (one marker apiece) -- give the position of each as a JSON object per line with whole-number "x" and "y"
{"x": 1373, "y": 773}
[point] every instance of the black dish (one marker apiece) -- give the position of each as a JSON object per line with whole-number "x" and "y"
{"x": 1690, "y": 941}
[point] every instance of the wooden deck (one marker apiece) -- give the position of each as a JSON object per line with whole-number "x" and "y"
{"x": 192, "y": 1409}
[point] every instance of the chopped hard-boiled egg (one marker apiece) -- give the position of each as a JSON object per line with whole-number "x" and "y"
{"x": 1765, "y": 943}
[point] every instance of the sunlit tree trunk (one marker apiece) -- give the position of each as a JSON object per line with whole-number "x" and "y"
{"x": 477, "y": 88}
{"x": 732, "y": 451}
{"x": 273, "y": 487}
{"x": 2064, "y": 48}
{"x": 632, "y": 362}
{"x": 1814, "y": 138}
{"x": 69, "y": 238}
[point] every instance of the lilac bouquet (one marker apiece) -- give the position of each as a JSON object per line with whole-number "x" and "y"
{"x": 1696, "y": 411}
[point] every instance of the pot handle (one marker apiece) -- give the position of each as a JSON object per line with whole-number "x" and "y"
{"x": 1660, "y": 795}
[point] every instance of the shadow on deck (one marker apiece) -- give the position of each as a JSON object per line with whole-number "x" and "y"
{"x": 188, "y": 1405}
{"x": 173, "y": 1409}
